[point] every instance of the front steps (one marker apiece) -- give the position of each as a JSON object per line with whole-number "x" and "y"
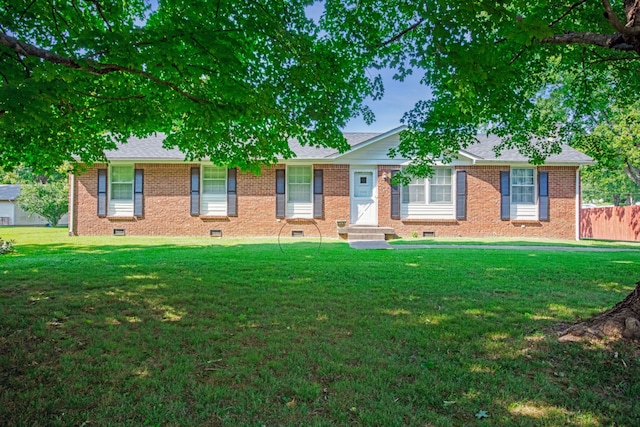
{"x": 355, "y": 233}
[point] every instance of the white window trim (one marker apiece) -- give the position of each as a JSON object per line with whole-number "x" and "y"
{"x": 299, "y": 209}
{"x": 524, "y": 211}
{"x": 535, "y": 187}
{"x": 219, "y": 208}
{"x": 427, "y": 192}
{"x": 119, "y": 207}
{"x": 430, "y": 210}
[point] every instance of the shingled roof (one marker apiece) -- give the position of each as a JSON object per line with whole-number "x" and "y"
{"x": 485, "y": 150}
{"x": 9, "y": 191}
{"x": 151, "y": 148}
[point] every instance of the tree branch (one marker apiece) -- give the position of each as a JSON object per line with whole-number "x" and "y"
{"x": 612, "y": 17}
{"x": 610, "y": 41}
{"x": 568, "y": 11}
{"x": 93, "y": 67}
{"x": 111, "y": 98}
{"x": 613, "y": 20}
{"x": 99, "y": 9}
{"x": 402, "y": 33}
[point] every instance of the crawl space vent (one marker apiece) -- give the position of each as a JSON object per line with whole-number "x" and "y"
{"x": 297, "y": 233}
{"x": 215, "y": 233}
{"x": 118, "y": 232}
{"x": 428, "y": 234}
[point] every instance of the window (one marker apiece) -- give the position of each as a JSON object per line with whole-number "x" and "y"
{"x": 440, "y": 186}
{"x": 213, "y": 195}
{"x": 522, "y": 186}
{"x": 299, "y": 184}
{"x": 414, "y": 192}
{"x": 122, "y": 183}
{"x": 214, "y": 180}
{"x": 436, "y": 190}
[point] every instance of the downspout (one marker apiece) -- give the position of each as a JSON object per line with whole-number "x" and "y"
{"x": 578, "y": 203}
{"x": 71, "y": 217}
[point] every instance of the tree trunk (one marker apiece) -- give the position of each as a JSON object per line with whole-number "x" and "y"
{"x": 621, "y": 321}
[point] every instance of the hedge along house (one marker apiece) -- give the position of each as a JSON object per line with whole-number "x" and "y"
{"x": 146, "y": 189}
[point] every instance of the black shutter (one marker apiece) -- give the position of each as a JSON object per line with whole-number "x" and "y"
{"x": 195, "y": 191}
{"x": 281, "y": 204}
{"x": 318, "y": 197}
{"x": 395, "y": 197}
{"x": 543, "y": 192}
{"x": 102, "y": 192}
{"x": 232, "y": 196}
{"x": 138, "y": 186}
{"x": 461, "y": 195}
{"x": 505, "y": 195}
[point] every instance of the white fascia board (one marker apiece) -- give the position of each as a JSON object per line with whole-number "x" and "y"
{"x": 469, "y": 156}
{"x": 525, "y": 164}
{"x": 148, "y": 160}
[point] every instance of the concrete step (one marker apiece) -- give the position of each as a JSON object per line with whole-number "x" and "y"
{"x": 356, "y": 229}
{"x": 365, "y": 236}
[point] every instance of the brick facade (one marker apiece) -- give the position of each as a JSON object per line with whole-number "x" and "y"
{"x": 167, "y": 202}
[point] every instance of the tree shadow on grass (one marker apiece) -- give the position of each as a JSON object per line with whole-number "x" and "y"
{"x": 169, "y": 334}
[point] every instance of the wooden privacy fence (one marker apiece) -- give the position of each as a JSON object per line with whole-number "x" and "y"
{"x": 610, "y": 223}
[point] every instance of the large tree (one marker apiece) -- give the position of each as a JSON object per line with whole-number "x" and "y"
{"x": 517, "y": 69}
{"x": 232, "y": 80}
{"x": 537, "y": 74}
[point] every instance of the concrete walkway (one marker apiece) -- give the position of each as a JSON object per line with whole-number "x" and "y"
{"x": 380, "y": 244}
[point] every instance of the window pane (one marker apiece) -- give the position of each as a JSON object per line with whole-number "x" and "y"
{"x": 414, "y": 192}
{"x": 299, "y": 184}
{"x": 300, "y": 193}
{"x": 214, "y": 180}
{"x": 122, "y": 183}
{"x": 522, "y": 186}
{"x": 213, "y": 186}
{"x": 441, "y": 188}
{"x": 122, "y": 174}
{"x": 441, "y": 177}
{"x": 121, "y": 191}
{"x": 299, "y": 174}
{"x": 210, "y": 172}
{"x": 441, "y": 194}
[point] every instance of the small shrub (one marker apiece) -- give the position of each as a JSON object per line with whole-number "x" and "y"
{"x": 414, "y": 234}
{"x": 6, "y": 246}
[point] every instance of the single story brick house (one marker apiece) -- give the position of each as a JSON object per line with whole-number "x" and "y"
{"x": 146, "y": 189}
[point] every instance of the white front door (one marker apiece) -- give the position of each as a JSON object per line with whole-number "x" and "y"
{"x": 364, "y": 196}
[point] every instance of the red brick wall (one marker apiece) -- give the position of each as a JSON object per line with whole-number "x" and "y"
{"x": 483, "y": 207}
{"x": 167, "y": 201}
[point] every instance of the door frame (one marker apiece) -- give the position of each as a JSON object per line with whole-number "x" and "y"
{"x": 374, "y": 196}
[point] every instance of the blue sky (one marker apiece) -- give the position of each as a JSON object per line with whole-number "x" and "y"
{"x": 399, "y": 97}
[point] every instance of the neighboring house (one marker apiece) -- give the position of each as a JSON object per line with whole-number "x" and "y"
{"x": 148, "y": 190}
{"x": 12, "y": 214}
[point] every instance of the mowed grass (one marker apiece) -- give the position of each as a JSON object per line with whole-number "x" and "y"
{"x": 126, "y": 331}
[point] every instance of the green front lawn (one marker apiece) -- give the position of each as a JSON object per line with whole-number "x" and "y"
{"x": 186, "y": 331}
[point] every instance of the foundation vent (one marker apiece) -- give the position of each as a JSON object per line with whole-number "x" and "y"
{"x": 215, "y": 233}
{"x": 297, "y": 233}
{"x": 119, "y": 232}
{"x": 428, "y": 234}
